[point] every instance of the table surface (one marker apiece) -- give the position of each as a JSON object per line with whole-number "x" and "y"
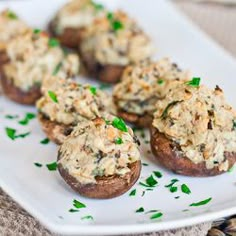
{"x": 219, "y": 21}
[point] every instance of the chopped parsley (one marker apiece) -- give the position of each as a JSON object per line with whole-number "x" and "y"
{"x": 118, "y": 141}
{"x": 93, "y": 90}
{"x": 160, "y": 81}
{"x": 133, "y": 192}
{"x": 73, "y": 210}
{"x": 45, "y": 141}
{"x": 52, "y": 42}
{"x": 145, "y": 164}
{"x": 104, "y": 86}
{"x": 57, "y": 68}
{"x": 11, "y": 117}
{"x": 12, "y": 15}
{"x": 151, "y": 182}
{"x": 11, "y": 133}
{"x": 171, "y": 186}
{"x": 170, "y": 105}
{"x": 201, "y": 203}
{"x": 173, "y": 189}
{"x": 37, "y": 31}
{"x": 156, "y": 215}
{"x": 97, "y": 6}
{"x": 38, "y": 164}
{"x": 140, "y": 210}
{"x": 177, "y": 197}
{"x": 158, "y": 174}
{"x": 195, "y": 82}
{"x": 52, "y": 166}
{"x": 119, "y": 124}
{"x": 53, "y": 96}
{"x": 78, "y": 204}
{"x": 27, "y": 118}
{"x": 234, "y": 124}
{"x": 88, "y": 217}
{"x": 185, "y": 189}
{"x": 115, "y": 24}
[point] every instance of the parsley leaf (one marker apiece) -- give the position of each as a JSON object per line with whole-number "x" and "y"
{"x": 156, "y": 215}
{"x": 140, "y": 210}
{"x": 37, "y": 31}
{"x": 118, "y": 141}
{"x": 27, "y": 118}
{"x": 119, "y": 124}
{"x": 38, "y": 164}
{"x": 160, "y": 81}
{"x": 151, "y": 182}
{"x": 185, "y": 189}
{"x": 12, "y": 15}
{"x": 11, "y": 133}
{"x": 201, "y": 203}
{"x": 78, "y": 204}
{"x": 133, "y": 192}
{"x": 170, "y": 105}
{"x": 11, "y": 117}
{"x": 158, "y": 174}
{"x": 97, "y": 6}
{"x": 57, "y": 68}
{"x": 93, "y": 90}
{"x": 52, "y": 42}
{"x": 53, "y": 96}
{"x": 45, "y": 141}
{"x": 195, "y": 82}
{"x": 52, "y": 166}
{"x": 89, "y": 217}
{"x": 234, "y": 124}
{"x": 115, "y": 24}
{"x": 73, "y": 210}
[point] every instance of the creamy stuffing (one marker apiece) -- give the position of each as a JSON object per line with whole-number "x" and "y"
{"x": 145, "y": 83}
{"x": 116, "y": 39}
{"x": 200, "y": 122}
{"x": 77, "y": 14}
{"x": 10, "y": 26}
{"x": 92, "y": 150}
{"x": 74, "y": 102}
{"x": 33, "y": 56}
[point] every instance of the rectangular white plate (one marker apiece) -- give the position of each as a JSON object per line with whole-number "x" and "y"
{"x": 44, "y": 194}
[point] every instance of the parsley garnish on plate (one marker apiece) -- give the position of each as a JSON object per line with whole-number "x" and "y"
{"x": 93, "y": 90}
{"x": 11, "y": 133}
{"x": 38, "y": 164}
{"x": 145, "y": 164}
{"x": 97, "y": 6}
{"x": 158, "y": 174}
{"x": 73, "y": 210}
{"x": 132, "y": 193}
{"x": 53, "y": 96}
{"x": 119, "y": 124}
{"x": 234, "y": 124}
{"x": 195, "y": 82}
{"x": 171, "y": 186}
{"x": 201, "y": 203}
{"x": 78, "y": 204}
{"x": 118, "y": 141}
{"x": 37, "y": 31}
{"x": 52, "y": 42}
{"x": 57, "y": 68}
{"x": 156, "y": 215}
{"x": 140, "y": 210}
{"x": 52, "y": 166}
{"x": 29, "y": 116}
{"x": 185, "y": 189}
{"x": 45, "y": 141}
{"x": 88, "y": 217}
{"x": 11, "y": 117}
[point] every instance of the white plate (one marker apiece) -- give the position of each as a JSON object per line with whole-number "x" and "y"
{"x": 48, "y": 198}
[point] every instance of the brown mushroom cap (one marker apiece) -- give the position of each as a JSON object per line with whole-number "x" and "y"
{"x": 56, "y": 132}
{"x": 168, "y": 154}
{"x": 106, "y": 186}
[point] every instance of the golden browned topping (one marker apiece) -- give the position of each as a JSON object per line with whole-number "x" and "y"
{"x": 10, "y": 26}
{"x": 200, "y": 122}
{"x": 144, "y": 83}
{"x": 69, "y": 103}
{"x": 116, "y": 39}
{"x": 77, "y": 14}
{"x": 98, "y": 148}
{"x": 33, "y": 56}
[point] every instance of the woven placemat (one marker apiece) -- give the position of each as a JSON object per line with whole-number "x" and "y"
{"x": 14, "y": 221}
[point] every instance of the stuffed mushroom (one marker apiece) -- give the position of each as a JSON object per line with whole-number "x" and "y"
{"x": 142, "y": 85}
{"x": 194, "y": 131}
{"x": 100, "y": 159}
{"x": 71, "y": 20}
{"x": 65, "y": 104}
{"x": 111, "y": 43}
{"x": 28, "y": 59}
